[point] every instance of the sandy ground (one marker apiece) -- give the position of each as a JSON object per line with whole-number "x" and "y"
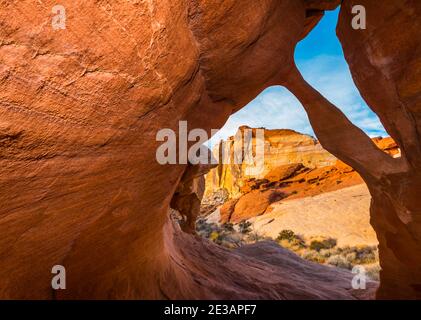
{"x": 342, "y": 214}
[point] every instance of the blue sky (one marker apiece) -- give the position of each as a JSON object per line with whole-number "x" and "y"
{"x": 320, "y": 59}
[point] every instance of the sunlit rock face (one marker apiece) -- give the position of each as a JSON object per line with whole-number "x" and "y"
{"x": 385, "y": 62}
{"x": 278, "y": 147}
{"x": 80, "y": 110}
{"x": 278, "y": 182}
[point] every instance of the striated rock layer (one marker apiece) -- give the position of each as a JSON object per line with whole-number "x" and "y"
{"x": 281, "y": 147}
{"x": 385, "y": 63}
{"x": 80, "y": 109}
{"x": 342, "y": 214}
{"x": 283, "y": 182}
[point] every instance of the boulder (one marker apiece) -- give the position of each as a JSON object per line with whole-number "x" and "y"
{"x": 283, "y": 172}
{"x": 254, "y": 204}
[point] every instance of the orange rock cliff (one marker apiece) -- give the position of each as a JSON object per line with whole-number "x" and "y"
{"x": 280, "y": 147}
{"x": 80, "y": 109}
{"x": 294, "y": 165}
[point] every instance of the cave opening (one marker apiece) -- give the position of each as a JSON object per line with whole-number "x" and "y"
{"x": 306, "y": 200}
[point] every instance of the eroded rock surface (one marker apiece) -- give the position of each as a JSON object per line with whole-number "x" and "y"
{"x": 189, "y": 194}
{"x": 385, "y": 62}
{"x": 281, "y": 147}
{"x": 286, "y": 181}
{"x": 80, "y": 110}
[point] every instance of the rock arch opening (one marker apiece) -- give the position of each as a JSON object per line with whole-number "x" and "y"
{"x": 305, "y": 199}
{"x": 352, "y": 127}
{"x": 80, "y": 111}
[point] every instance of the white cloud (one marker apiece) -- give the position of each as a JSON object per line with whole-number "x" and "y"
{"x": 277, "y": 108}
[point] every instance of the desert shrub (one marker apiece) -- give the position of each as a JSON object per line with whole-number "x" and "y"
{"x": 318, "y": 245}
{"x": 204, "y": 229}
{"x": 351, "y": 257}
{"x": 214, "y": 235}
{"x": 244, "y": 226}
{"x": 328, "y": 252}
{"x": 324, "y": 250}
{"x": 339, "y": 261}
{"x": 289, "y": 240}
{"x": 295, "y": 245}
{"x": 286, "y": 235}
{"x": 373, "y": 271}
{"x": 360, "y": 254}
{"x": 254, "y": 237}
{"x": 220, "y": 238}
{"x": 366, "y": 255}
{"x": 344, "y": 250}
{"x": 228, "y": 226}
{"x": 314, "y": 256}
{"x": 347, "y": 257}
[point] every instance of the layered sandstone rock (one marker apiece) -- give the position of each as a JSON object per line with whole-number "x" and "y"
{"x": 258, "y": 194}
{"x": 342, "y": 214}
{"x": 81, "y": 107}
{"x": 252, "y": 204}
{"x": 281, "y": 147}
{"x": 385, "y": 62}
{"x": 80, "y": 110}
{"x": 253, "y": 196}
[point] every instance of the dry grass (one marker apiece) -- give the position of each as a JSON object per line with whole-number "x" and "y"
{"x": 323, "y": 250}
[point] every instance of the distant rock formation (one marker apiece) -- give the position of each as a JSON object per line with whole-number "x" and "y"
{"x": 281, "y": 147}
{"x": 329, "y": 201}
{"x": 295, "y": 166}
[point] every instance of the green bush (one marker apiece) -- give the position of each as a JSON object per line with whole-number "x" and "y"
{"x": 313, "y": 256}
{"x": 255, "y": 237}
{"x": 366, "y": 255}
{"x": 340, "y": 262}
{"x": 244, "y": 226}
{"x": 286, "y": 235}
{"x": 318, "y": 245}
{"x": 228, "y": 226}
{"x": 289, "y": 240}
{"x": 324, "y": 250}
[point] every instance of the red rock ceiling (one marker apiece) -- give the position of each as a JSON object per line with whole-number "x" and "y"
{"x": 80, "y": 109}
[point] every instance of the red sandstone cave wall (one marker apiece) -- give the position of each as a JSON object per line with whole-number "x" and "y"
{"x": 79, "y": 111}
